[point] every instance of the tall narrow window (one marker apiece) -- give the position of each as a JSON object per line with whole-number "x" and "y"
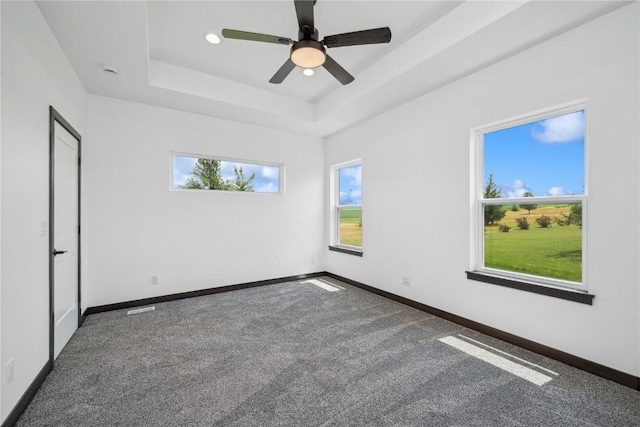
{"x": 531, "y": 196}
{"x": 347, "y": 206}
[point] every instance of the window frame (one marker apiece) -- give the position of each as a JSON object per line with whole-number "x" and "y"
{"x": 336, "y": 207}
{"x": 538, "y": 284}
{"x": 280, "y": 166}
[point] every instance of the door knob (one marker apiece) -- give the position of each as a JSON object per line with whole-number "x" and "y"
{"x": 55, "y": 252}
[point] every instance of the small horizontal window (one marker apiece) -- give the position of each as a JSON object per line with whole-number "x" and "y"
{"x": 191, "y": 172}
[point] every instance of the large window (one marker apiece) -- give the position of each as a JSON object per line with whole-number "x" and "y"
{"x": 193, "y": 172}
{"x": 531, "y": 199}
{"x": 347, "y": 206}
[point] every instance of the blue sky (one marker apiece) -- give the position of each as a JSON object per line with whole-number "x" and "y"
{"x": 351, "y": 185}
{"x": 267, "y": 179}
{"x": 544, "y": 157}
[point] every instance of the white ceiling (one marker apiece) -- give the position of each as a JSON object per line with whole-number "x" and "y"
{"x": 162, "y": 58}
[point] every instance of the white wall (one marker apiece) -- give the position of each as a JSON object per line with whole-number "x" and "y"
{"x": 35, "y": 74}
{"x": 193, "y": 240}
{"x": 416, "y": 197}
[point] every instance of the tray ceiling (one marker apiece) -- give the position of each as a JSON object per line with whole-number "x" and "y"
{"x": 159, "y": 50}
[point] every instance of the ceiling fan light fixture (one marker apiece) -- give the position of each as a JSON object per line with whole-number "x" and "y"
{"x": 308, "y": 72}
{"x": 308, "y": 54}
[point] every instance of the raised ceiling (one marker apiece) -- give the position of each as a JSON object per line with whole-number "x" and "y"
{"x": 162, "y": 57}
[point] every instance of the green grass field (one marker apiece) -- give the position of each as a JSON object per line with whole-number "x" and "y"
{"x": 350, "y": 227}
{"x": 554, "y": 252}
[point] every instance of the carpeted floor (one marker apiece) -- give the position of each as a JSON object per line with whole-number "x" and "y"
{"x": 294, "y": 354}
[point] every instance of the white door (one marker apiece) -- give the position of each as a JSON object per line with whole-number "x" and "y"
{"x": 65, "y": 237}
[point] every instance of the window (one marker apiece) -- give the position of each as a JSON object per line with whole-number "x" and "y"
{"x": 530, "y": 192}
{"x": 346, "y": 207}
{"x": 193, "y": 172}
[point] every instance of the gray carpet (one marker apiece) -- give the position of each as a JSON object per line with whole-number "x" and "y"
{"x": 293, "y": 354}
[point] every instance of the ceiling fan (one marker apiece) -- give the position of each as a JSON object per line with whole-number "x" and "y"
{"x": 308, "y": 51}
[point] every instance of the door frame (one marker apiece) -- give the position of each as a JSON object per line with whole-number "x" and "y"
{"x": 55, "y": 117}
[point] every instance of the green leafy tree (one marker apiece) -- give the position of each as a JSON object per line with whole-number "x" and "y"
{"x": 193, "y": 184}
{"x": 575, "y": 215}
{"x": 242, "y": 184}
{"x": 528, "y": 207}
{"x": 207, "y": 175}
{"x": 492, "y": 213}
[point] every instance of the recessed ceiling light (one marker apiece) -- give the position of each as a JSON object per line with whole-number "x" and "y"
{"x": 110, "y": 70}
{"x": 308, "y": 72}
{"x": 212, "y": 38}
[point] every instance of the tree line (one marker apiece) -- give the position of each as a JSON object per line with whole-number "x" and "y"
{"x": 494, "y": 213}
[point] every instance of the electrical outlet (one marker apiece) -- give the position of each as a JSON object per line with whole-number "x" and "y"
{"x": 155, "y": 279}
{"x": 44, "y": 227}
{"x": 406, "y": 281}
{"x": 9, "y": 371}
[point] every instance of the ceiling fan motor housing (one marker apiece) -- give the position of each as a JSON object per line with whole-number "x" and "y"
{"x": 308, "y": 34}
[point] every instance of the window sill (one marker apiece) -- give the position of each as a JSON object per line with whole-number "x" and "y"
{"x": 567, "y": 294}
{"x": 346, "y": 251}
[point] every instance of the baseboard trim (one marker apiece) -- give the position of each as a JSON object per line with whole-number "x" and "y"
{"x": 198, "y": 293}
{"x": 619, "y": 377}
{"x": 28, "y": 395}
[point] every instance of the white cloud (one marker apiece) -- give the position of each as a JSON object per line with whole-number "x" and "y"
{"x": 270, "y": 172}
{"x": 353, "y": 173}
{"x": 352, "y": 197}
{"x": 267, "y": 172}
{"x": 517, "y": 189}
{"x": 556, "y": 191}
{"x": 569, "y": 127}
{"x": 267, "y": 187}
